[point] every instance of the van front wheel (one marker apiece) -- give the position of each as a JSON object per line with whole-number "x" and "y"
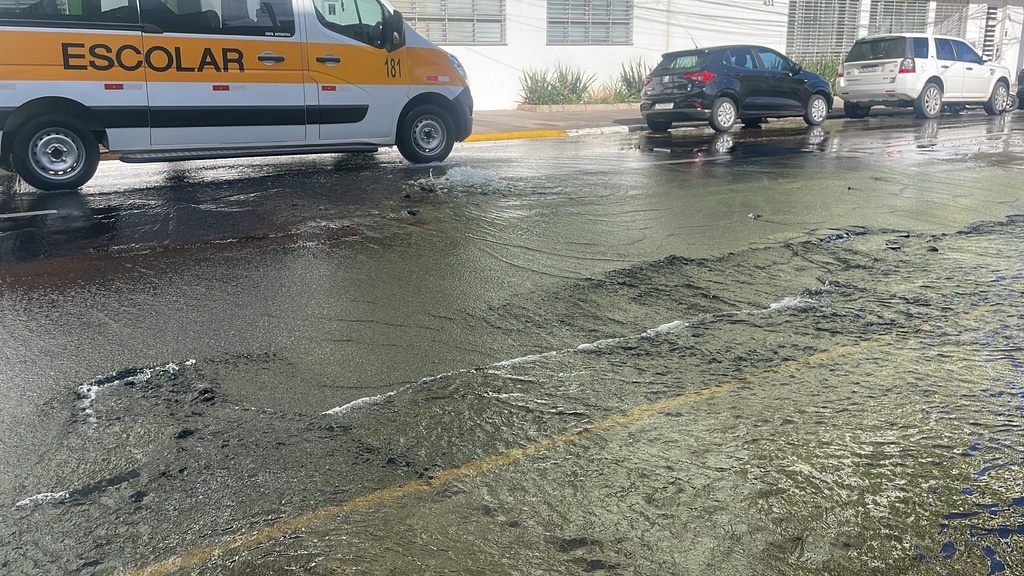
{"x": 425, "y": 134}
{"x": 55, "y": 152}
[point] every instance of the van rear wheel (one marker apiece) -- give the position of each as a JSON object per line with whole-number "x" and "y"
{"x": 55, "y": 152}
{"x": 426, "y": 134}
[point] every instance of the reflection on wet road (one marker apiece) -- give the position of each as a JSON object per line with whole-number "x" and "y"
{"x": 785, "y": 352}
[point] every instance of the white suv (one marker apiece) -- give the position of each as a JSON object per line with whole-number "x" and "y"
{"x": 922, "y": 71}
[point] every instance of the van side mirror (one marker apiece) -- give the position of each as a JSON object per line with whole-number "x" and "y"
{"x": 394, "y": 31}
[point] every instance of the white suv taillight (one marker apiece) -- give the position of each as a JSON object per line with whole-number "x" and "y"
{"x": 908, "y": 66}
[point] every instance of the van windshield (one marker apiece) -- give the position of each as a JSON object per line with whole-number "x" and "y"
{"x": 880, "y": 49}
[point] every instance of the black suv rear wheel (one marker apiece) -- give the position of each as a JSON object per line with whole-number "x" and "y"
{"x": 723, "y": 115}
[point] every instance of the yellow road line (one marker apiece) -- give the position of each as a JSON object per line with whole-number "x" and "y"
{"x": 516, "y": 135}
{"x": 275, "y": 530}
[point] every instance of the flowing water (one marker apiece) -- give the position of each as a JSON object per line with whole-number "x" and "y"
{"x": 846, "y": 400}
{"x": 850, "y": 405}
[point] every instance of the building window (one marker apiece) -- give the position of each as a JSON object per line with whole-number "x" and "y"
{"x": 456, "y": 21}
{"x": 898, "y": 16}
{"x": 951, "y": 18}
{"x": 821, "y": 28}
{"x": 590, "y": 22}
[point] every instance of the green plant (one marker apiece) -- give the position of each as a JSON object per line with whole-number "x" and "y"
{"x": 631, "y": 80}
{"x": 825, "y": 66}
{"x": 574, "y": 84}
{"x": 563, "y": 85}
{"x": 537, "y": 87}
{"x": 570, "y": 85}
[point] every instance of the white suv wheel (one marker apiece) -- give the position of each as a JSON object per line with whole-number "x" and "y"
{"x": 929, "y": 103}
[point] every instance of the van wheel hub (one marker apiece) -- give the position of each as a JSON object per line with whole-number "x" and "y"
{"x": 56, "y": 152}
{"x": 428, "y": 134}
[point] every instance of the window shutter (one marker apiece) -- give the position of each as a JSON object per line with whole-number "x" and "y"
{"x": 590, "y": 22}
{"x": 456, "y": 21}
{"x": 821, "y": 28}
{"x": 951, "y": 18}
{"x": 898, "y": 16}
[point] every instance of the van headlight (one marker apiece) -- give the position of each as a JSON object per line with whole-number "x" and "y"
{"x": 458, "y": 66}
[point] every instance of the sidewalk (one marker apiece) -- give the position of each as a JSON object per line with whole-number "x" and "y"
{"x": 514, "y": 124}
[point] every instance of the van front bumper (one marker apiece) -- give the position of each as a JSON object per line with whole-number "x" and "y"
{"x": 463, "y": 114}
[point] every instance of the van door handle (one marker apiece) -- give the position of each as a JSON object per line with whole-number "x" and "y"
{"x": 945, "y": 66}
{"x": 970, "y": 67}
{"x": 269, "y": 57}
{"x": 329, "y": 59}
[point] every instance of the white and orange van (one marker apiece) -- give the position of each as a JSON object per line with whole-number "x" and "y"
{"x": 171, "y": 80}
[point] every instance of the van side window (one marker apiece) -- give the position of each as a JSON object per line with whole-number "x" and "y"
{"x": 105, "y": 11}
{"x": 235, "y": 17}
{"x": 361, "y": 20}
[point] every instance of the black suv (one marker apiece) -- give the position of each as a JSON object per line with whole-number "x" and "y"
{"x": 729, "y": 83}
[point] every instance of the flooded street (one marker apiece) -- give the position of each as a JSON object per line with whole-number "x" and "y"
{"x": 778, "y": 351}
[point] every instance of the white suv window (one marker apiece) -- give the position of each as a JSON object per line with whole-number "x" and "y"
{"x": 965, "y": 53}
{"x": 944, "y": 49}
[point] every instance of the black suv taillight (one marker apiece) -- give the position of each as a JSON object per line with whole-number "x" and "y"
{"x": 704, "y": 77}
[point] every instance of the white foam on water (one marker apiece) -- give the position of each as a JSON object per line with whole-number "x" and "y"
{"x": 463, "y": 177}
{"x": 599, "y": 344}
{"x": 664, "y": 329}
{"x": 526, "y": 359}
{"x": 792, "y": 302}
{"x": 44, "y": 498}
{"x": 87, "y": 393}
{"x": 362, "y": 402}
{"x": 587, "y": 347}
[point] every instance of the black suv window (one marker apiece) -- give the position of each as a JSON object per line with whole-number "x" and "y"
{"x": 944, "y": 49}
{"x": 965, "y": 53}
{"x": 683, "y": 60}
{"x": 739, "y": 58}
{"x": 771, "y": 60}
{"x": 879, "y": 49}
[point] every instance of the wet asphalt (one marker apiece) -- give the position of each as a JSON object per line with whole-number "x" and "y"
{"x": 194, "y": 351}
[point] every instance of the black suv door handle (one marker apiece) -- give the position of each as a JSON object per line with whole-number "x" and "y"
{"x": 329, "y": 59}
{"x": 268, "y": 57}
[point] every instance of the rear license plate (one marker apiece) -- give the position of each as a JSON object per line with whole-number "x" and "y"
{"x": 663, "y": 106}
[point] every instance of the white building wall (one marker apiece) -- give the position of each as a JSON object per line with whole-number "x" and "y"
{"x": 659, "y": 26}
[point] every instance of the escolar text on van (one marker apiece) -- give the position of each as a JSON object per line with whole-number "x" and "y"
{"x": 170, "y": 80}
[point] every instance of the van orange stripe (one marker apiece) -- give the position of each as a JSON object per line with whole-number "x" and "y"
{"x": 27, "y": 55}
